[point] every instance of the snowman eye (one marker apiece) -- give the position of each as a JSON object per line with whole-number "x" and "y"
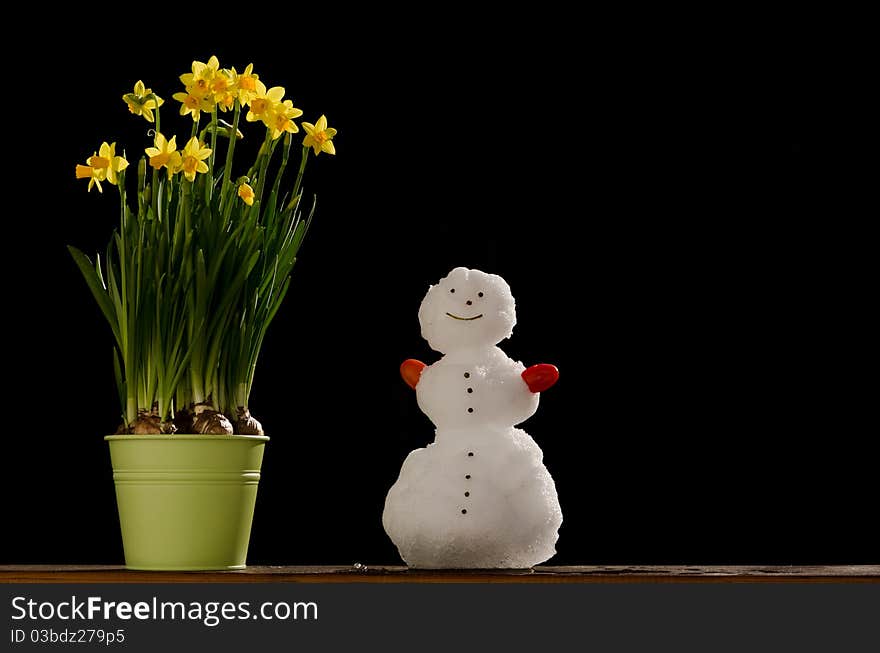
{"x": 479, "y": 294}
{"x": 452, "y": 290}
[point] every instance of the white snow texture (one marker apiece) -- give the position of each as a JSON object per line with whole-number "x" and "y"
{"x": 479, "y": 496}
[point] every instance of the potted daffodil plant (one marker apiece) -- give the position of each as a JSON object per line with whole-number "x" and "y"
{"x": 191, "y": 279}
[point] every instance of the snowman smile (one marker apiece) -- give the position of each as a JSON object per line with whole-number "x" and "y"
{"x": 465, "y": 319}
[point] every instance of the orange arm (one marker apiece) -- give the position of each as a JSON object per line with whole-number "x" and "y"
{"x": 411, "y": 370}
{"x": 540, "y": 377}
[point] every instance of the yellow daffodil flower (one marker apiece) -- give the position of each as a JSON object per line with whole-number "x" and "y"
{"x": 319, "y": 136}
{"x": 261, "y": 104}
{"x": 192, "y": 104}
{"x": 105, "y": 160}
{"x": 164, "y": 154}
{"x": 142, "y": 101}
{"x": 198, "y": 82}
{"x": 225, "y": 101}
{"x": 222, "y": 90}
{"x": 245, "y": 84}
{"x": 221, "y": 82}
{"x": 94, "y": 175}
{"x": 192, "y": 158}
{"x": 280, "y": 118}
{"x": 246, "y": 193}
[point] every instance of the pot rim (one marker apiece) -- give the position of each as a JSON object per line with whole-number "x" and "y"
{"x": 187, "y": 437}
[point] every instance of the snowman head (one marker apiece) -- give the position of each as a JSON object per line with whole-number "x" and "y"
{"x": 467, "y": 308}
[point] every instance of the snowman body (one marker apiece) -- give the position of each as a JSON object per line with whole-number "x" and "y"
{"x": 479, "y": 496}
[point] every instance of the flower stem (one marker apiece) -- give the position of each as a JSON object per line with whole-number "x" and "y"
{"x": 154, "y": 189}
{"x": 210, "y": 185}
{"x": 285, "y": 155}
{"x": 241, "y": 395}
{"x": 299, "y": 175}
{"x": 126, "y": 321}
{"x": 185, "y": 211}
{"x": 130, "y": 410}
{"x": 264, "y": 149}
{"x": 227, "y": 169}
{"x": 264, "y": 166}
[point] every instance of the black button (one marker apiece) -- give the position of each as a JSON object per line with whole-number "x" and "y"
{"x": 467, "y": 475}
{"x": 471, "y": 454}
{"x": 467, "y": 494}
{"x": 470, "y": 390}
{"x": 467, "y": 375}
{"x": 463, "y": 511}
{"x": 470, "y": 410}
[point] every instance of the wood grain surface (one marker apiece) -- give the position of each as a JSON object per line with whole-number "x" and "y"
{"x": 363, "y": 574}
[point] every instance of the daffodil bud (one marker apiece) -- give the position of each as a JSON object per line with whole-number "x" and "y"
{"x": 293, "y": 203}
{"x": 246, "y": 193}
{"x": 227, "y": 131}
{"x": 223, "y": 129}
{"x": 238, "y": 134}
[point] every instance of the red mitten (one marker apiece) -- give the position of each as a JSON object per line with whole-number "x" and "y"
{"x": 411, "y": 370}
{"x": 540, "y": 377}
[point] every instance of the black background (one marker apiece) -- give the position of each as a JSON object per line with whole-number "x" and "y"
{"x": 682, "y": 214}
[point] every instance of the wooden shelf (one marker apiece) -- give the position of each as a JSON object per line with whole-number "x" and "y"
{"x": 364, "y": 574}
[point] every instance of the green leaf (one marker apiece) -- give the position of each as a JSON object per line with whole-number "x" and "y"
{"x": 96, "y": 284}
{"x": 120, "y": 378}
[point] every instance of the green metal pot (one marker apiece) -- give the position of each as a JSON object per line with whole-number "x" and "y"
{"x": 186, "y": 502}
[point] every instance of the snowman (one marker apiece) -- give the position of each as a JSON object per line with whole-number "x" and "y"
{"x": 479, "y": 496}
